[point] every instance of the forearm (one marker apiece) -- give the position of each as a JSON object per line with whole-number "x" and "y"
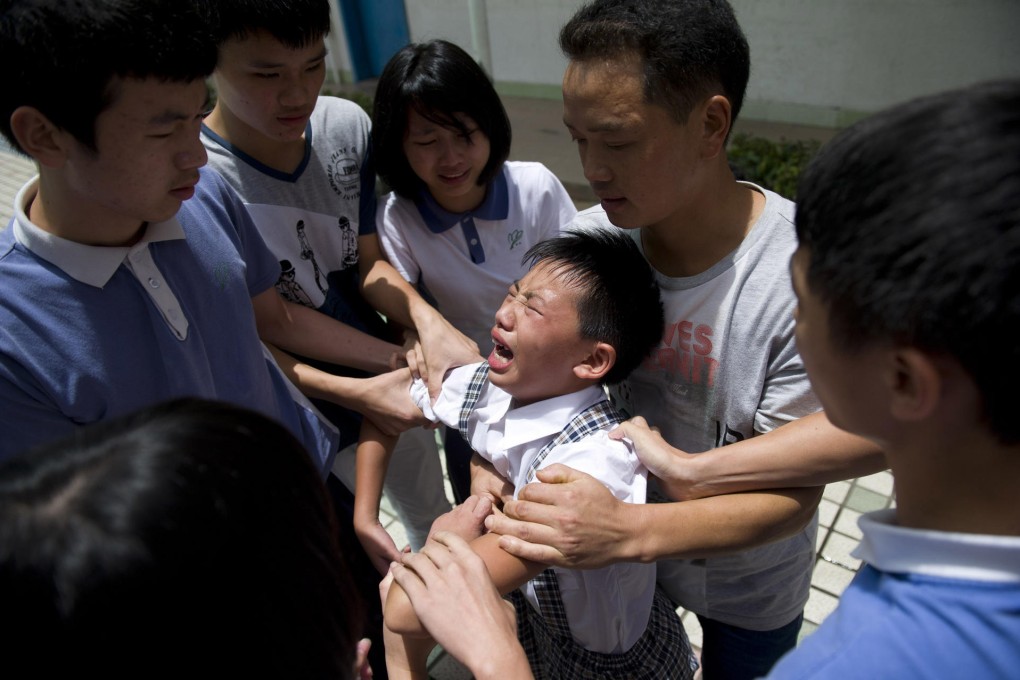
{"x": 310, "y": 333}
{"x": 316, "y": 383}
{"x": 372, "y": 460}
{"x": 710, "y": 527}
{"x": 805, "y": 453}
{"x": 506, "y": 572}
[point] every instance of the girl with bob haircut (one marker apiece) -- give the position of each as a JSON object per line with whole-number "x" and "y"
{"x": 460, "y": 215}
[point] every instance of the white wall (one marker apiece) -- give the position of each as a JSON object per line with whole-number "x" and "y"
{"x": 522, "y": 34}
{"x": 822, "y": 62}
{"x": 839, "y": 59}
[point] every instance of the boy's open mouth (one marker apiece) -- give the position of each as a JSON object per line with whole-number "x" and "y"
{"x": 503, "y": 352}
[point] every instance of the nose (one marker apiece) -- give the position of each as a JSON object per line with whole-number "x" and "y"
{"x": 295, "y": 92}
{"x": 593, "y": 165}
{"x": 505, "y": 314}
{"x": 193, "y": 155}
{"x": 450, "y": 150}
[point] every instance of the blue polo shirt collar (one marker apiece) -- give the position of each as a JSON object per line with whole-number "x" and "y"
{"x": 495, "y": 206}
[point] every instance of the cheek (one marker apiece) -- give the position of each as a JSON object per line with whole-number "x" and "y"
{"x": 418, "y": 159}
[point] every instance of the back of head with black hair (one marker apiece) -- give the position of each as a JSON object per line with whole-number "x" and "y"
{"x": 193, "y": 538}
{"x": 689, "y": 49}
{"x": 436, "y": 79}
{"x": 61, "y": 56}
{"x": 295, "y": 23}
{"x": 912, "y": 222}
{"x": 618, "y": 298}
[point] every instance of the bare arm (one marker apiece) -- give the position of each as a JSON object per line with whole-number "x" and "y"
{"x": 572, "y": 520}
{"x": 310, "y": 333}
{"x": 450, "y": 590}
{"x": 506, "y": 572}
{"x": 385, "y": 289}
{"x": 373, "y": 458}
{"x": 807, "y": 452}
{"x": 383, "y": 398}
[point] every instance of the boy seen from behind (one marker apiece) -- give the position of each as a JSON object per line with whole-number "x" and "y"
{"x": 909, "y": 303}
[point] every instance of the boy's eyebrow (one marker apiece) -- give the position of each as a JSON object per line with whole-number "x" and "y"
{"x": 170, "y": 116}
{"x": 261, "y": 63}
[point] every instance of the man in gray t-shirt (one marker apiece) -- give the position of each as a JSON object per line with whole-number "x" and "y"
{"x": 650, "y": 94}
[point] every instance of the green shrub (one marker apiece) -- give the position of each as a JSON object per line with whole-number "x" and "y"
{"x": 773, "y": 165}
{"x": 362, "y": 99}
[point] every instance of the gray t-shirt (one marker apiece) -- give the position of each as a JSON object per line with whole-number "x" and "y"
{"x": 726, "y": 368}
{"x": 311, "y": 220}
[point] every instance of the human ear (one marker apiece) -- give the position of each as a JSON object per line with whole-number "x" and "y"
{"x": 37, "y": 136}
{"x": 916, "y": 385}
{"x": 718, "y": 117}
{"x": 596, "y": 364}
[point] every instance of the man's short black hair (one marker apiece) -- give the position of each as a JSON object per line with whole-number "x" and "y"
{"x": 689, "y": 49}
{"x": 911, "y": 219}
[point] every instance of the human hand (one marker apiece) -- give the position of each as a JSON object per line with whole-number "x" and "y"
{"x": 488, "y": 483}
{"x": 377, "y": 542}
{"x": 386, "y": 401}
{"x": 569, "y": 520}
{"x": 676, "y": 469}
{"x": 442, "y": 347}
{"x": 450, "y": 590}
{"x": 466, "y": 520}
{"x": 362, "y": 669}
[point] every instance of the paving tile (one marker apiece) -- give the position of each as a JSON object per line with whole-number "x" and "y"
{"x": 846, "y": 523}
{"x": 880, "y": 482}
{"x": 397, "y": 532}
{"x": 831, "y": 578}
{"x": 819, "y": 606}
{"x": 827, "y": 511}
{"x": 836, "y": 491}
{"x": 806, "y": 629}
{"x": 837, "y": 549}
{"x": 863, "y": 500}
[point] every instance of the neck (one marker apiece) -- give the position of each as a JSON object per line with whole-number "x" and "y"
{"x": 283, "y": 156}
{"x": 693, "y": 240}
{"x": 55, "y": 210}
{"x": 965, "y": 483}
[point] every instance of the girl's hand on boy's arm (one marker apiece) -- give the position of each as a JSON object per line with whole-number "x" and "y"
{"x": 385, "y": 400}
{"x": 444, "y": 346}
{"x": 372, "y": 460}
{"x": 377, "y": 542}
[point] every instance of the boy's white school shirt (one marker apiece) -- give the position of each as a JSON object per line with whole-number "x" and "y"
{"x": 607, "y": 608}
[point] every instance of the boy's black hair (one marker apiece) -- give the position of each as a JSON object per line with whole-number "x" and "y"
{"x": 62, "y": 56}
{"x": 295, "y": 23}
{"x": 911, "y": 219}
{"x": 618, "y": 298}
{"x": 436, "y": 79}
{"x": 689, "y": 49}
{"x": 191, "y": 537}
